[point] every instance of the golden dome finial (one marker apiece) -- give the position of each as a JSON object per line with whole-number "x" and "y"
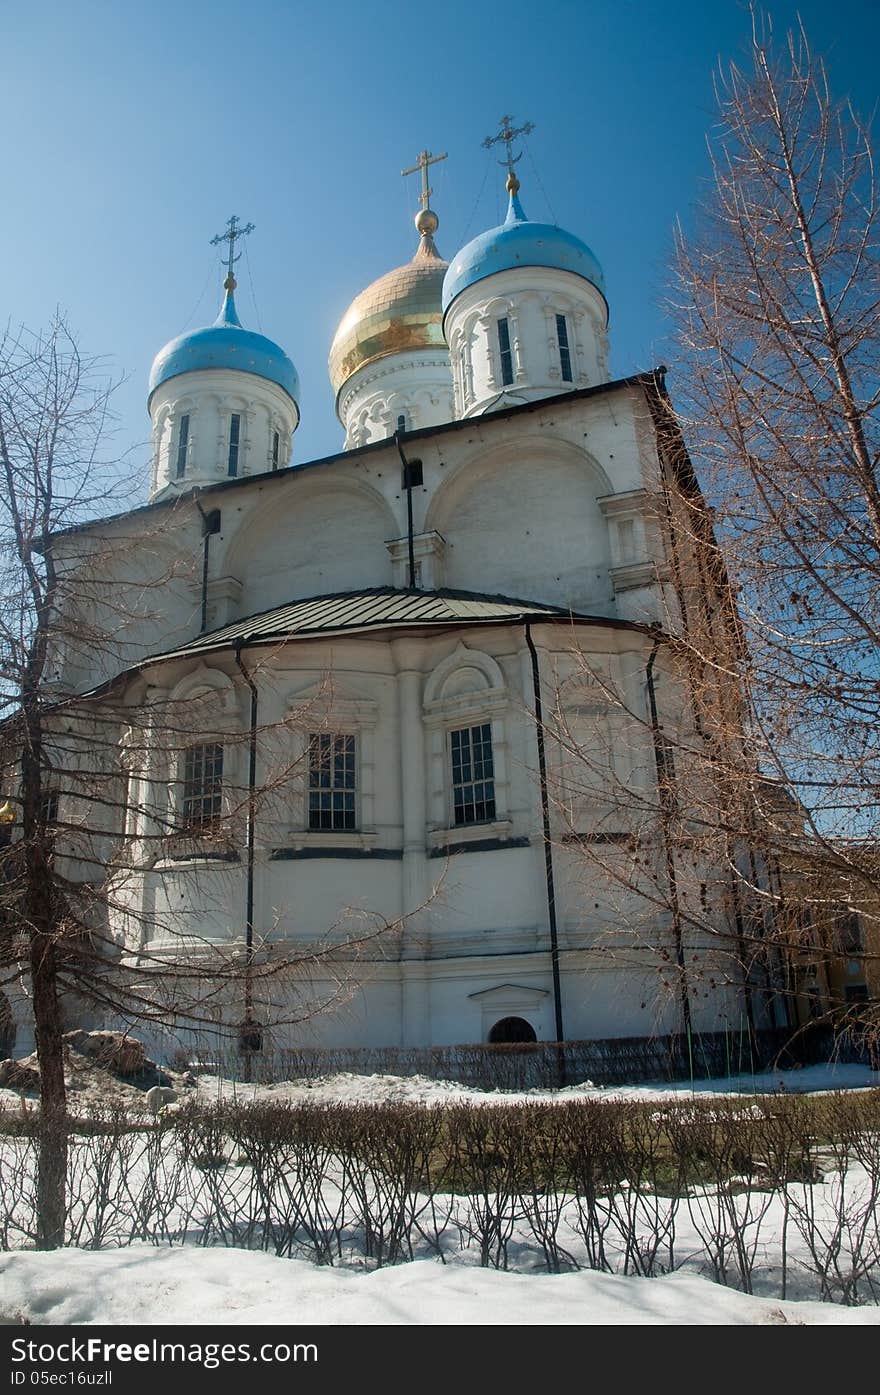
{"x": 512, "y": 183}
{"x": 427, "y": 222}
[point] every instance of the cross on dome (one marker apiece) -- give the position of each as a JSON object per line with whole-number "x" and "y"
{"x": 231, "y": 235}
{"x": 426, "y": 158}
{"x": 426, "y": 219}
{"x": 508, "y": 134}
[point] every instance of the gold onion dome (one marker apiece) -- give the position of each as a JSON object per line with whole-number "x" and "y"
{"x": 399, "y": 312}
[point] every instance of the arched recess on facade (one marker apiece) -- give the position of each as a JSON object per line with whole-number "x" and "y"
{"x": 523, "y": 520}
{"x": 310, "y": 538}
{"x": 592, "y": 754}
{"x": 511, "y": 1030}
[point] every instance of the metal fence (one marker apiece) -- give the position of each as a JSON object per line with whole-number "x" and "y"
{"x": 546, "y": 1065}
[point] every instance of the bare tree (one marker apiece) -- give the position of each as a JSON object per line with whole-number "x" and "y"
{"x": 766, "y": 789}
{"x": 114, "y": 769}
{"x": 779, "y": 323}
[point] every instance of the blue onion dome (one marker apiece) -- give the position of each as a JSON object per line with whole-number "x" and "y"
{"x": 225, "y": 344}
{"x": 519, "y": 242}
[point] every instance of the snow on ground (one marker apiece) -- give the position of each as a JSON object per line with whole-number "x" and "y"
{"x": 194, "y": 1286}
{"x": 346, "y": 1088}
{"x": 92, "y": 1088}
{"x": 191, "y": 1284}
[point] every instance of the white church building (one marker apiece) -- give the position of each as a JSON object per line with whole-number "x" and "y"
{"x": 447, "y": 637}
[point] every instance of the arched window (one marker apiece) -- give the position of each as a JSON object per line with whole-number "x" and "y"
{"x": 465, "y": 705}
{"x": 512, "y": 1029}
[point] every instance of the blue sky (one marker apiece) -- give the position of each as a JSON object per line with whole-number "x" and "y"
{"x": 134, "y": 131}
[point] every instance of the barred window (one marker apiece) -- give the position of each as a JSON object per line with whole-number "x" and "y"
{"x": 202, "y": 785}
{"x": 473, "y": 775}
{"x": 564, "y": 350}
{"x": 506, "y": 354}
{"x": 182, "y": 443}
{"x": 276, "y": 448}
{"x": 332, "y": 782}
{"x": 234, "y": 439}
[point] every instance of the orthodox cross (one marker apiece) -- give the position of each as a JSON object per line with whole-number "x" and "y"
{"x": 231, "y": 235}
{"x": 425, "y": 159}
{"x": 508, "y": 135}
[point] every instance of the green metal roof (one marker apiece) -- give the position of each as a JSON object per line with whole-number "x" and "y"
{"x": 355, "y": 612}
{"x": 380, "y": 608}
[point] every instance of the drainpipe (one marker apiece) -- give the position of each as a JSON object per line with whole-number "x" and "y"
{"x": 251, "y": 800}
{"x": 407, "y": 484}
{"x": 548, "y": 850}
{"x": 667, "y": 806}
{"x": 210, "y": 526}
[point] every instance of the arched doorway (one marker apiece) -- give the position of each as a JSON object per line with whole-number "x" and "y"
{"x": 512, "y": 1029}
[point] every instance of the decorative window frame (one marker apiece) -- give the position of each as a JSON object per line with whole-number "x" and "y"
{"x": 443, "y": 714}
{"x": 581, "y": 698}
{"x": 172, "y": 415}
{"x": 230, "y": 404}
{"x": 315, "y": 711}
{"x": 574, "y": 317}
{"x": 217, "y": 721}
{"x": 277, "y": 424}
{"x": 634, "y": 545}
{"x": 503, "y": 308}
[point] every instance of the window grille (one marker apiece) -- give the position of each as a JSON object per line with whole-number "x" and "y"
{"x": 473, "y": 775}
{"x": 332, "y": 786}
{"x": 202, "y": 785}
{"x": 276, "y": 449}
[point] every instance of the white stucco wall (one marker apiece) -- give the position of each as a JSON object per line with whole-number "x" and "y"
{"x": 209, "y": 398}
{"x": 417, "y": 386}
{"x": 529, "y": 298}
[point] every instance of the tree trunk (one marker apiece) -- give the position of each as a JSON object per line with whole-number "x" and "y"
{"x": 52, "y": 1135}
{"x": 39, "y": 910}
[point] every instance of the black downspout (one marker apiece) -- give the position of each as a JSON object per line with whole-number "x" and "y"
{"x": 667, "y": 804}
{"x": 249, "y": 1025}
{"x": 743, "y": 959}
{"x": 210, "y": 526}
{"x": 548, "y": 850}
{"x": 407, "y": 484}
